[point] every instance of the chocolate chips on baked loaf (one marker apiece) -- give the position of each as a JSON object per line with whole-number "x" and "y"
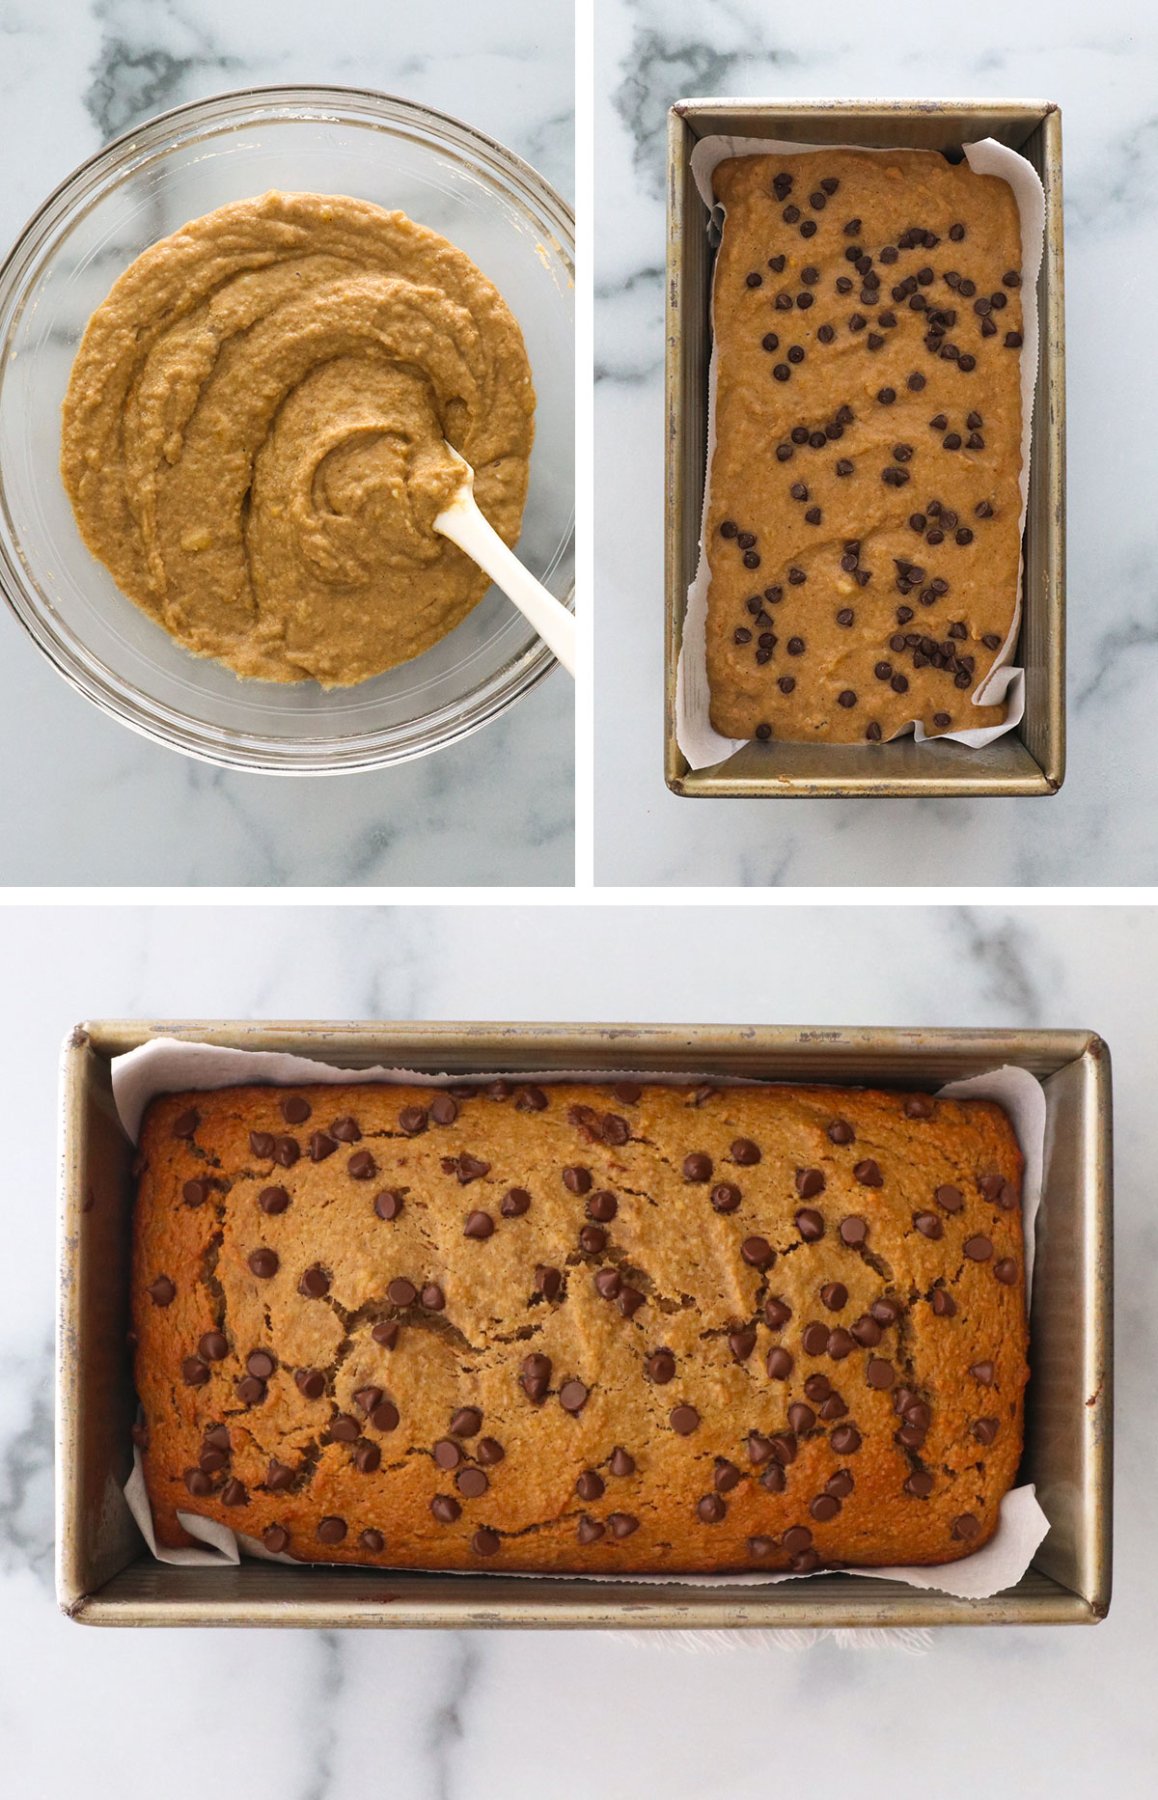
{"x": 581, "y": 1327}
{"x": 863, "y": 526}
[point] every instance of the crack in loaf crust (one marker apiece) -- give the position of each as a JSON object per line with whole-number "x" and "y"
{"x": 721, "y": 1389}
{"x": 863, "y": 532}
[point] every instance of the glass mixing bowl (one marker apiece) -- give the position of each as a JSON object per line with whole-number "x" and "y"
{"x": 148, "y": 183}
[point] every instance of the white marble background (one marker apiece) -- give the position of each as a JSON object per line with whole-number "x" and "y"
{"x": 1100, "y": 62}
{"x": 1018, "y": 1714}
{"x": 94, "y": 803}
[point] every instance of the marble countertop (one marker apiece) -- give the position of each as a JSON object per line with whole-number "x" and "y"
{"x": 1100, "y": 65}
{"x": 470, "y": 1716}
{"x": 96, "y": 804}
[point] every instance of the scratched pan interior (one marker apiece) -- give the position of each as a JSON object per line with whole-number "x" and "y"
{"x": 106, "y": 1576}
{"x": 1028, "y": 760}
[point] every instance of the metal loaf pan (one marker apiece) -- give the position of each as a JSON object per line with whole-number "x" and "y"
{"x": 106, "y": 1575}
{"x": 1028, "y": 760}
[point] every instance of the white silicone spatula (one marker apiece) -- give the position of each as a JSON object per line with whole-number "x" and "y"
{"x": 463, "y": 523}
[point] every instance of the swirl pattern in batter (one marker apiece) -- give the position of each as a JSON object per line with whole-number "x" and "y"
{"x": 255, "y": 430}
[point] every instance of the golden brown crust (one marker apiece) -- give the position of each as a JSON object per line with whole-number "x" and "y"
{"x": 668, "y": 1243}
{"x": 887, "y": 462}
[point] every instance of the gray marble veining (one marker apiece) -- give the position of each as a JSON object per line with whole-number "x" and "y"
{"x": 92, "y": 802}
{"x": 1100, "y": 65}
{"x": 324, "y": 1716}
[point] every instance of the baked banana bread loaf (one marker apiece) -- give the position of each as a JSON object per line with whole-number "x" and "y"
{"x": 863, "y": 533}
{"x": 581, "y": 1328}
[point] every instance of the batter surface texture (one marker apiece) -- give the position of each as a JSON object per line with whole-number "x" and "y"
{"x": 584, "y": 1328}
{"x": 863, "y": 535}
{"x": 254, "y": 434}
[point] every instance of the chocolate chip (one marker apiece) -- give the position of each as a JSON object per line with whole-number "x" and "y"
{"x": 780, "y": 1362}
{"x": 447, "y": 1454}
{"x": 982, "y": 1372}
{"x": 589, "y": 1531}
{"x": 950, "y": 1198}
{"x": 386, "y": 1334}
{"x": 1006, "y": 1271}
{"x": 314, "y": 1283}
{"x": 372, "y": 1541}
{"x": 548, "y": 1281}
{"x": 535, "y": 1376}
{"x": 978, "y": 1249}
{"x": 573, "y": 1396}
{"x": 433, "y": 1298}
{"x": 660, "y": 1366}
{"x": 471, "y": 1483}
{"x": 478, "y": 1225}
{"x": 489, "y": 1451}
{"x": 162, "y": 1291}
{"x": 711, "y": 1509}
{"x": 684, "y": 1420}
{"x": 985, "y": 1430}
{"x": 331, "y": 1530}
{"x": 311, "y": 1382}
{"x": 742, "y": 1343}
{"x": 880, "y": 1374}
{"x": 745, "y": 1152}
{"x": 622, "y": 1462}
{"x": 966, "y": 1527}
{"x": 868, "y": 1173}
{"x": 367, "y": 1458}
{"x": 697, "y": 1167}
{"x": 622, "y": 1525}
{"x": 944, "y": 1304}
{"x": 412, "y": 1120}
{"x": 589, "y": 1485}
{"x": 777, "y": 1313}
{"x": 321, "y": 1146}
{"x": 758, "y": 1252}
{"x": 608, "y": 1283}
{"x": 809, "y": 1223}
{"x": 530, "y": 1099}
{"x": 834, "y": 1295}
{"x": 263, "y": 1263}
{"x": 445, "y": 1508}
{"x": 286, "y": 1151}
{"x": 866, "y": 1331}
{"x": 1013, "y": 341}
